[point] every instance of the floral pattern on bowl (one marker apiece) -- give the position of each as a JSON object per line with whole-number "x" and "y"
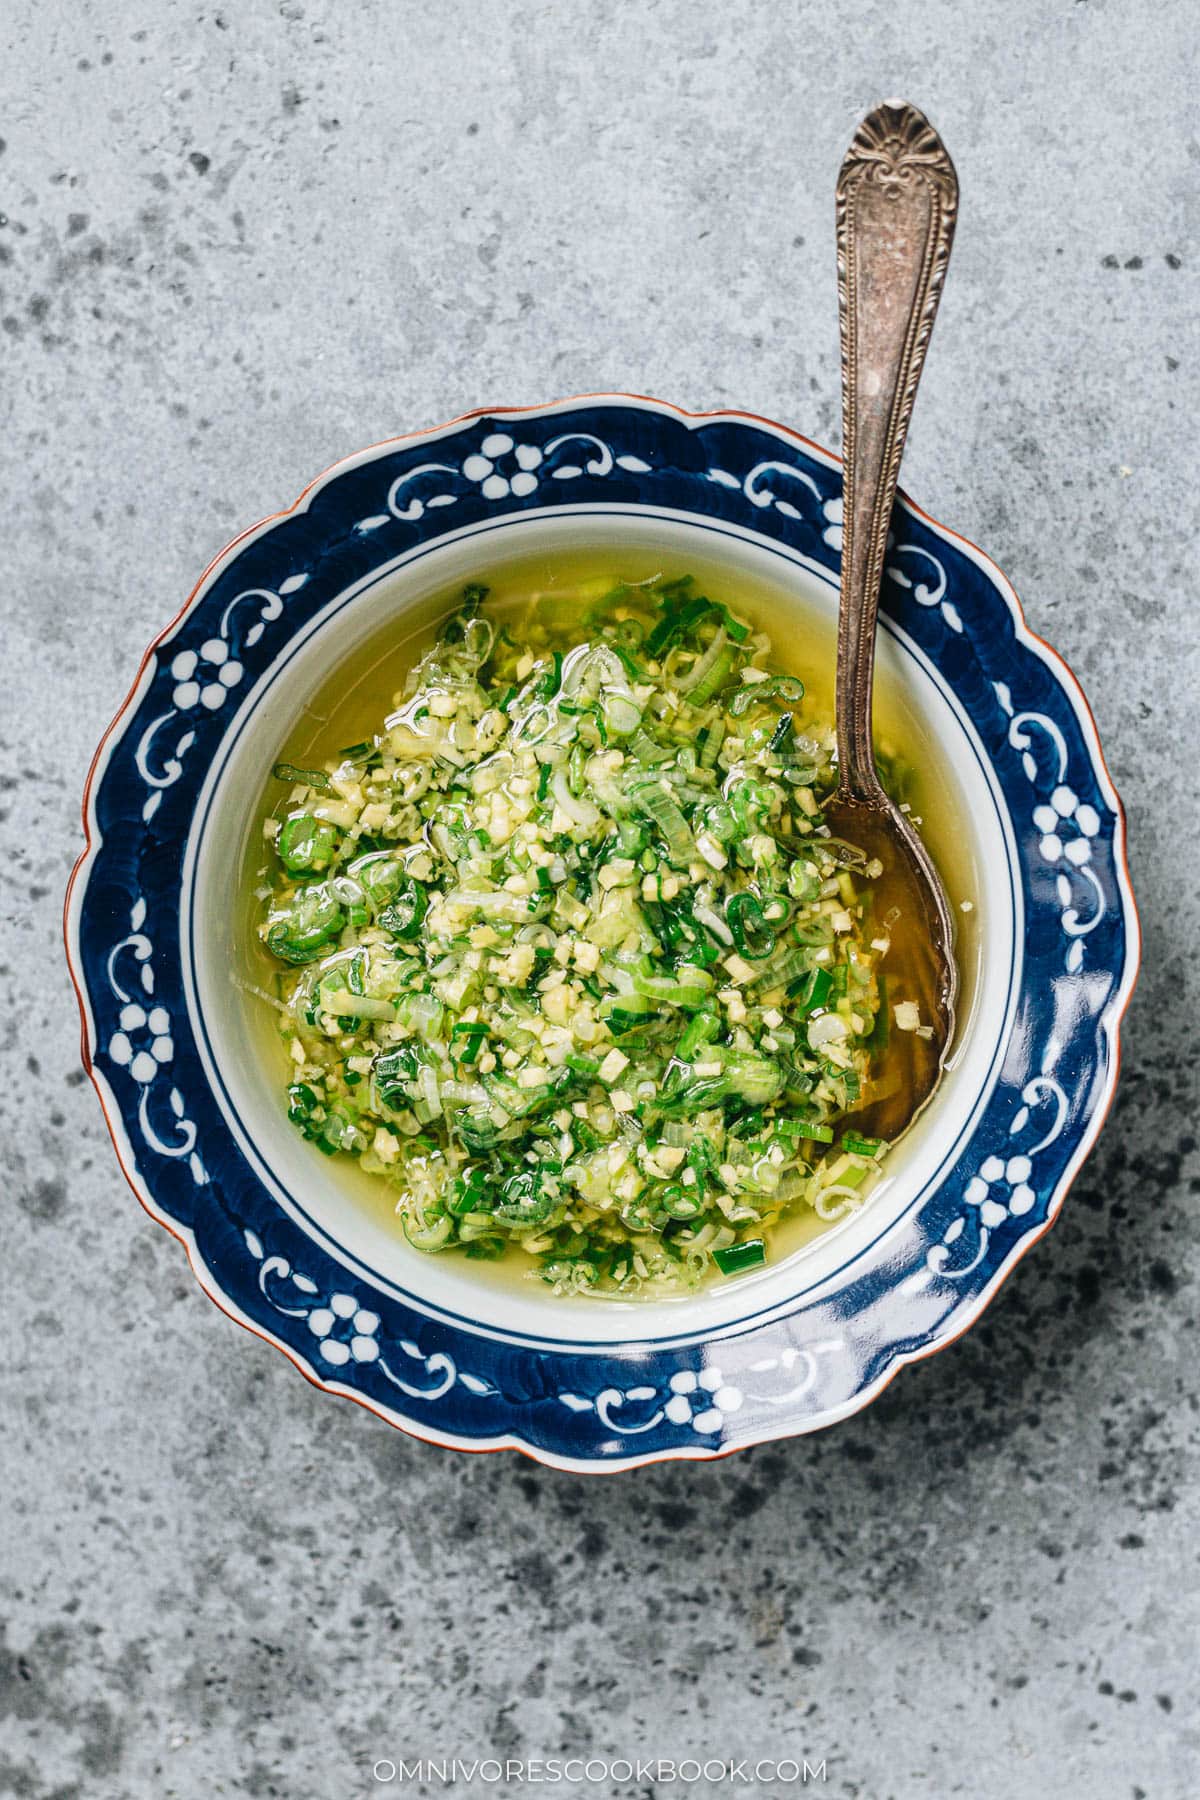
{"x": 613, "y": 1405}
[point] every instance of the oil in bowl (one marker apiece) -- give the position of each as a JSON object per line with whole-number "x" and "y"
{"x": 549, "y": 946}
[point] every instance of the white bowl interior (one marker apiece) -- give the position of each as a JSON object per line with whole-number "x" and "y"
{"x": 966, "y": 826}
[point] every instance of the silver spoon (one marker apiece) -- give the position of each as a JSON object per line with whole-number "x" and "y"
{"x": 897, "y": 196}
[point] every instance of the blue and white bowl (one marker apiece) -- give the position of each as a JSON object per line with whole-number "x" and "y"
{"x": 279, "y": 1243}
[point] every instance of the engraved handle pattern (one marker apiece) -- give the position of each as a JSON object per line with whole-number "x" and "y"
{"x": 897, "y": 197}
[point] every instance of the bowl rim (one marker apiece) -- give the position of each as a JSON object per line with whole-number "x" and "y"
{"x": 1108, "y": 1022}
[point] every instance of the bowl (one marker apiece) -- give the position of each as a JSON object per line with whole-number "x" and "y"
{"x": 1030, "y": 822}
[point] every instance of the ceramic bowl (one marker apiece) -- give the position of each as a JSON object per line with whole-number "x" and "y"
{"x": 283, "y": 1246}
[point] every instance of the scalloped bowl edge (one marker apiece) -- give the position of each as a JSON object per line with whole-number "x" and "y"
{"x": 1108, "y": 1023}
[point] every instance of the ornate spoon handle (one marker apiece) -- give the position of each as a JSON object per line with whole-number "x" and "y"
{"x": 897, "y": 196}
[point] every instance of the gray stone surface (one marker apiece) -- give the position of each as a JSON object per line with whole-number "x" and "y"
{"x": 240, "y": 240}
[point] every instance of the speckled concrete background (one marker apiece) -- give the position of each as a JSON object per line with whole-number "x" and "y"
{"x": 239, "y": 241}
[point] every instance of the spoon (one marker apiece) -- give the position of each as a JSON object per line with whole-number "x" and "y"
{"x": 897, "y": 195}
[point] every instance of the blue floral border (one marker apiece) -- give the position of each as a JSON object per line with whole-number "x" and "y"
{"x": 589, "y": 1408}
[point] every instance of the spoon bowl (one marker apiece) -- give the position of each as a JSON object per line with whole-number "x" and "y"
{"x": 910, "y": 912}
